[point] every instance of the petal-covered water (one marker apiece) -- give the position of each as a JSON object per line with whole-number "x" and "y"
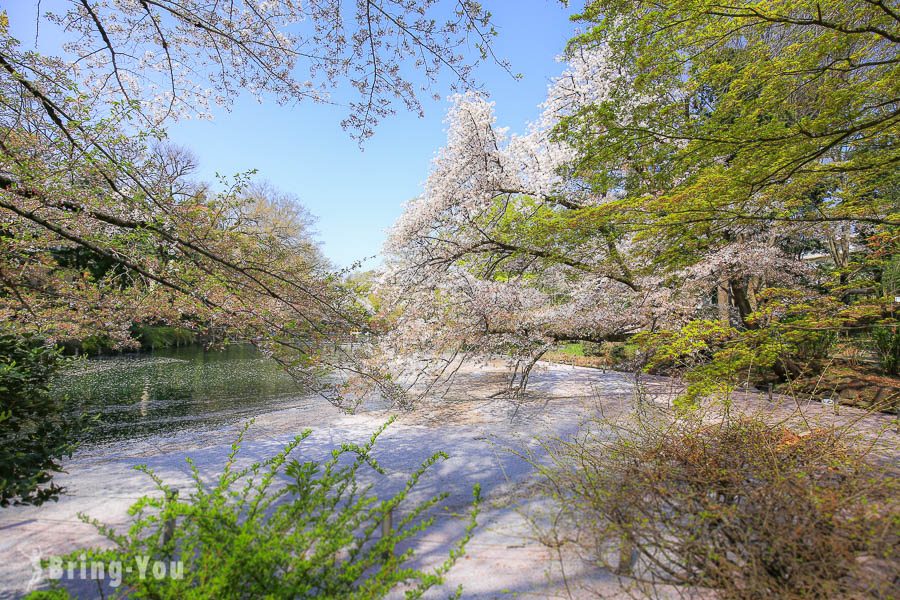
{"x": 169, "y": 390}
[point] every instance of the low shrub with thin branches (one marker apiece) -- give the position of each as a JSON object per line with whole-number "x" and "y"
{"x": 321, "y": 535}
{"x": 734, "y": 506}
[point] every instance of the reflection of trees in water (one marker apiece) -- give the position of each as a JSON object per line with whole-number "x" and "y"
{"x": 174, "y": 389}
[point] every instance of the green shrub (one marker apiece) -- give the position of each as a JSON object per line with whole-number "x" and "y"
{"x": 811, "y": 345}
{"x": 97, "y": 344}
{"x": 152, "y": 337}
{"x": 37, "y": 427}
{"x": 318, "y": 536}
{"x": 890, "y": 277}
{"x": 886, "y": 343}
{"x": 593, "y": 349}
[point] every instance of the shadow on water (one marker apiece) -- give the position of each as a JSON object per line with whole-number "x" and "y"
{"x": 171, "y": 390}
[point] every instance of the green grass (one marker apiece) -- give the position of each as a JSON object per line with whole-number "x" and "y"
{"x": 572, "y": 349}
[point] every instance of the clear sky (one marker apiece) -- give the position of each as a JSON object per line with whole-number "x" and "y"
{"x": 357, "y": 194}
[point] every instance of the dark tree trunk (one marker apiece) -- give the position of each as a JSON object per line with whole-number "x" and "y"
{"x": 742, "y": 301}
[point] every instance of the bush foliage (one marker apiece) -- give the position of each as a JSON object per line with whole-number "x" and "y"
{"x": 37, "y": 427}
{"x": 152, "y": 337}
{"x": 886, "y": 342}
{"x": 319, "y": 536}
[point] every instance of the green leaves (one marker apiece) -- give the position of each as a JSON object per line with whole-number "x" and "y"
{"x": 37, "y": 427}
{"x": 283, "y": 528}
{"x": 781, "y": 97}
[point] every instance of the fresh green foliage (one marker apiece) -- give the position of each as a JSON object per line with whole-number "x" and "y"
{"x": 715, "y": 359}
{"x": 95, "y": 344}
{"x": 695, "y": 160}
{"x": 773, "y": 109}
{"x": 246, "y": 536}
{"x": 772, "y": 120}
{"x": 57, "y": 594}
{"x": 890, "y": 277}
{"x": 37, "y": 427}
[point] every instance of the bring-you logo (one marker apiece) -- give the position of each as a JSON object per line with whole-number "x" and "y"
{"x": 111, "y": 572}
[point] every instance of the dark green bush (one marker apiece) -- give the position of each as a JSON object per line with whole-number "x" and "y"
{"x": 152, "y": 337}
{"x": 246, "y": 536}
{"x": 37, "y": 427}
{"x": 97, "y": 344}
{"x": 813, "y": 345}
{"x": 886, "y": 342}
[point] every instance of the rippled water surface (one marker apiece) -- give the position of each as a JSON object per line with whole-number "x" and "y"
{"x": 176, "y": 389}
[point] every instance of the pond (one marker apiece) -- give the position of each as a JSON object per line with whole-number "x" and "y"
{"x": 171, "y": 390}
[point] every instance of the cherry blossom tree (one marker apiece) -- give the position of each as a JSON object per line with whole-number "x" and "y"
{"x": 172, "y": 58}
{"x": 102, "y": 224}
{"x": 512, "y": 249}
{"x": 683, "y": 167}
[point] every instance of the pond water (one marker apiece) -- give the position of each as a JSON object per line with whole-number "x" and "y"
{"x": 166, "y": 391}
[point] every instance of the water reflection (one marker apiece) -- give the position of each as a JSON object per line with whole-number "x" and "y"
{"x": 175, "y": 389}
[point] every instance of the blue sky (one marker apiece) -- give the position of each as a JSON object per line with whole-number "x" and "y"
{"x": 357, "y": 194}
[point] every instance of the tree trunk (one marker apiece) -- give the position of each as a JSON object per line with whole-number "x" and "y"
{"x": 753, "y": 287}
{"x": 742, "y": 301}
{"x": 838, "y": 243}
{"x": 723, "y": 302}
{"x": 786, "y": 369}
